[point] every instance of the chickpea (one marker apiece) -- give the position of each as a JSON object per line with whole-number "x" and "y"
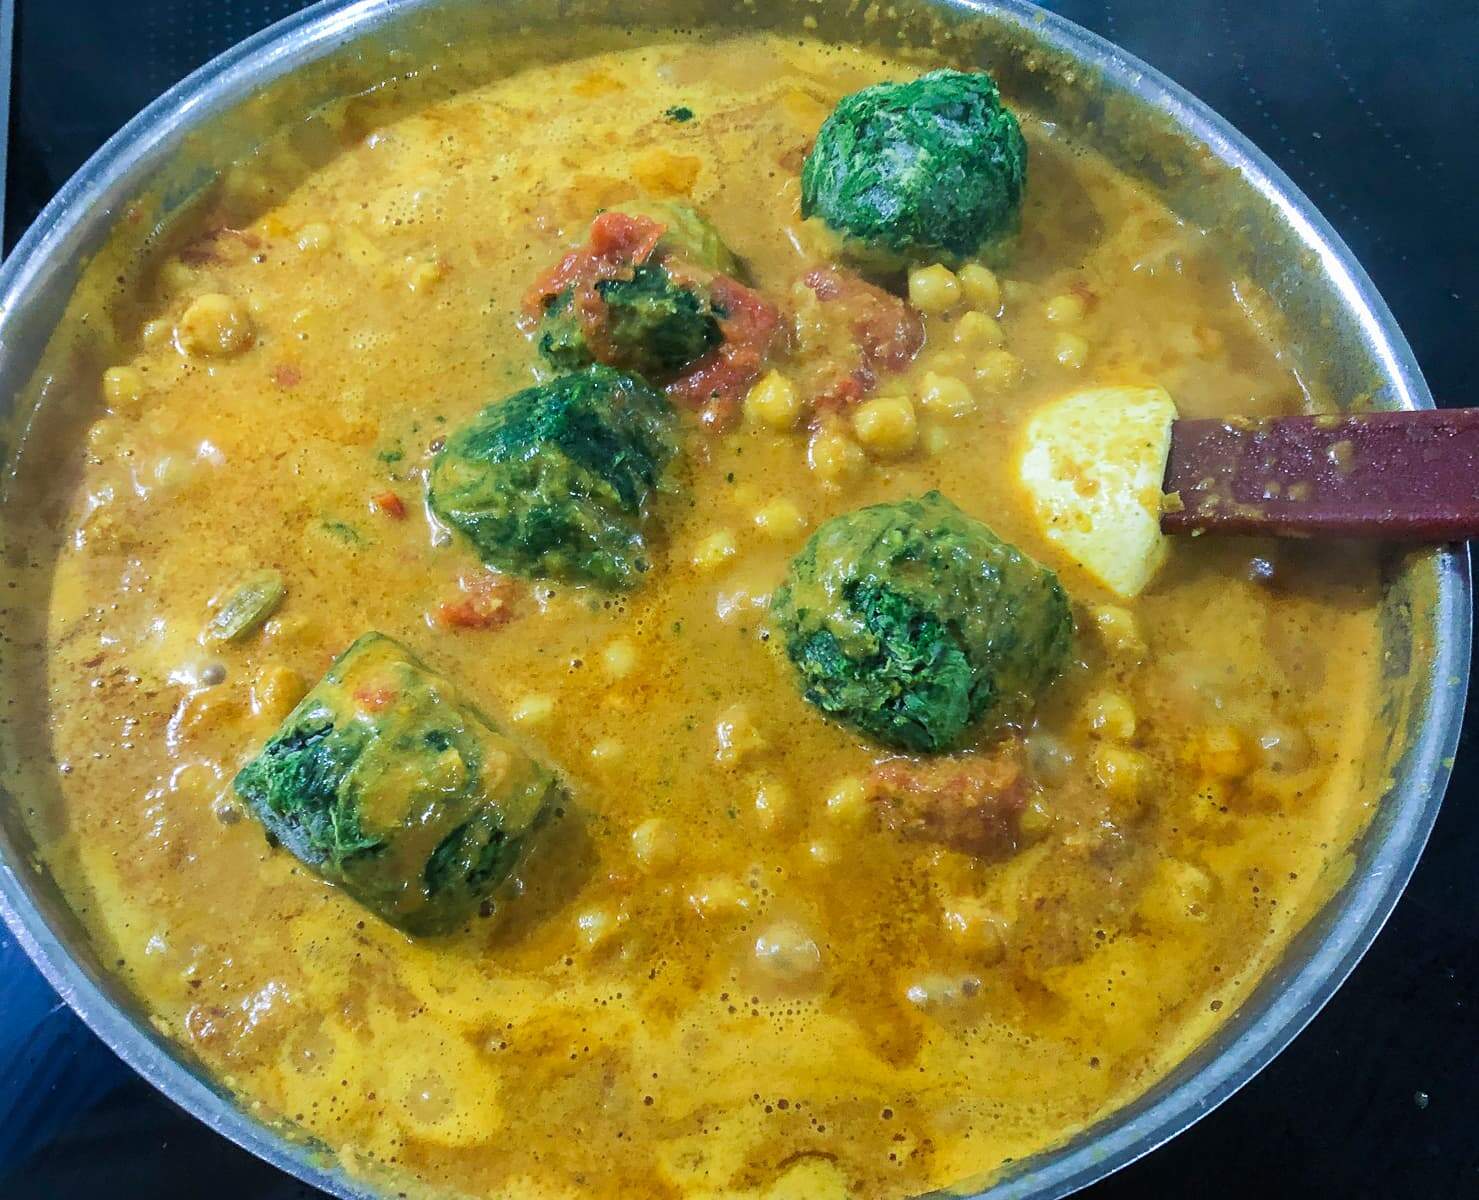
{"x": 1071, "y": 351}
{"x": 654, "y": 844}
{"x": 934, "y": 289}
{"x": 977, "y": 930}
{"x": 945, "y": 396}
{"x": 773, "y": 803}
{"x": 315, "y": 237}
{"x": 1119, "y": 631}
{"x": 1111, "y": 715}
{"x": 533, "y": 709}
{"x": 597, "y": 924}
{"x": 847, "y": 803}
{"x": 786, "y": 952}
{"x": 1223, "y": 752}
{"x": 975, "y": 330}
{"x": 718, "y": 897}
{"x": 1035, "y": 819}
{"x": 619, "y": 658}
{"x": 1179, "y": 892}
{"x": 715, "y": 550}
{"x": 886, "y": 426}
{"x": 999, "y": 370}
{"x": 822, "y": 852}
{"x": 214, "y": 325}
{"x": 780, "y": 519}
{"x": 123, "y": 389}
{"x": 275, "y": 690}
{"x": 1123, "y": 774}
{"x": 773, "y": 403}
{"x": 425, "y": 276}
{"x": 834, "y": 457}
{"x": 607, "y": 750}
{"x": 1067, "y": 309}
{"x": 982, "y": 289}
{"x": 737, "y": 737}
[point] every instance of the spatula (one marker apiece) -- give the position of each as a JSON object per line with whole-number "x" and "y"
{"x": 1399, "y": 476}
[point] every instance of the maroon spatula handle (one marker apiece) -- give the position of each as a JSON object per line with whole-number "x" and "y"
{"x": 1403, "y": 476}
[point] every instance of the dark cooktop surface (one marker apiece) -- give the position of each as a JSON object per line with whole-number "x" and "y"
{"x": 1371, "y": 106}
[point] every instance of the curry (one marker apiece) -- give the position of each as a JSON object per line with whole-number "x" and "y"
{"x": 704, "y": 776}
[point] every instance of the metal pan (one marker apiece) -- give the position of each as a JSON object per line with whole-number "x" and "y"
{"x": 1344, "y": 338}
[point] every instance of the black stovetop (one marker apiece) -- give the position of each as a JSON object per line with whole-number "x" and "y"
{"x": 1372, "y": 107}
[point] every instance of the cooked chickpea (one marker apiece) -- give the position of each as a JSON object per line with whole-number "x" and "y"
{"x": 786, "y": 952}
{"x": 177, "y": 276}
{"x": 1223, "y": 752}
{"x": 214, "y": 325}
{"x": 1071, "y": 351}
{"x": 275, "y": 690}
{"x": 607, "y": 750}
{"x": 999, "y": 370}
{"x": 982, "y": 289}
{"x": 1119, "y": 631}
{"x": 654, "y": 844}
{"x": 945, "y": 396}
{"x": 532, "y": 709}
{"x": 1111, "y": 715}
{"x": 977, "y": 331}
{"x": 715, "y": 550}
{"x": 1123, "y": 774}
{"x": 123, "y": 389}
{"x": 1178, "y": 892}
{"x": 847, "y": 802}
{"x": 315, "y": 237}
{"x": 977, "y": 930}
{"x": 834, "y": 457}
{"x": 773, "y": 402}
{"x": 886, "y": 425}
{"x": 1035, "y": 820}
{"x": 780, "y": 519}
{"x": 424, "y": 276}
{"x": 934, "y": 289}
{"x": 718, "y": 898}
{"x": 1067, "y": 309}
{"x": 822, "y": 852}
{"x": 597, "y": 924}
{"x": 773, "y": 803}
{"x": 619, "y": 658}
{"x": 737, "y": 737}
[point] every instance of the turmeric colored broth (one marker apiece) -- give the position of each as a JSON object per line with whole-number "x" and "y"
{"x": 611, "y": 1028}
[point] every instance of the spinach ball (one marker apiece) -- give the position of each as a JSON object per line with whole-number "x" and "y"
{"x": 648, "y": 325}
{"x": 927, "y": 171}
{"x": 638, "y": 295}
{"x": 911, "y": 622}
{"x": 557, "y": 481}
{"x": 386, "y": 781}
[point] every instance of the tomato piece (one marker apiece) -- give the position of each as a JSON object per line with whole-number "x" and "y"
{"x": 716, "y": 383}
{"x": 487, "y": 602}
{"x": 971, "y": 802}
{"x": 390, "y": 504}
{"x": 617, "y": 242}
